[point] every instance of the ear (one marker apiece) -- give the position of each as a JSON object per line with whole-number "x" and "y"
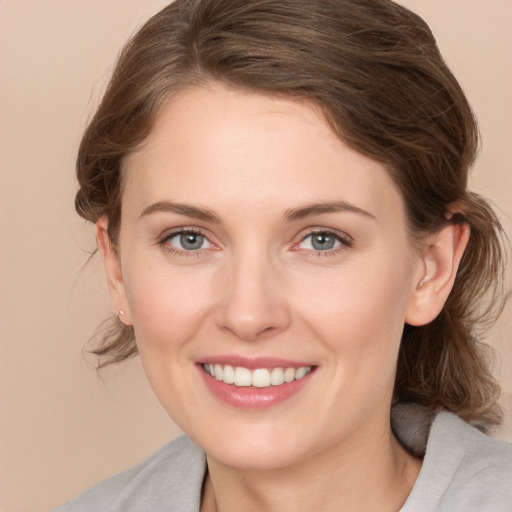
{"x": 437, "y": 271}
{"x": 112, "y": 265}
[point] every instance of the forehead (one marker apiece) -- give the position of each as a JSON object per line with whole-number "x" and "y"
{"x": 212, "y": 143}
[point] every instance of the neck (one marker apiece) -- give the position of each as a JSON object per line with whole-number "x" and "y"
{"x": 355, "y": 476}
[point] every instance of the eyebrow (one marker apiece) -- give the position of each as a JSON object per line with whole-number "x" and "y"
{"x": 203, "y": 214}
{"x": 293, "y": 214}
{"x": 310, "y": 210}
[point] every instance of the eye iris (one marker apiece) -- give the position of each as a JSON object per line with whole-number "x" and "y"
{"x": 191, "y": 241}
{"x": 322, "y": 241}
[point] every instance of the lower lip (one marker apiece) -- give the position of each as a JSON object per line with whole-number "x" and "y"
{"x": 252, "y": 397}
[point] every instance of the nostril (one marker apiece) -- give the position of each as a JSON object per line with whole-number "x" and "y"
{"x": 248, "y": 331}
{"x": 250, "y": 309}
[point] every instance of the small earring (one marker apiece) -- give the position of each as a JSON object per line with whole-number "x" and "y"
{"x": 121, "y": 312}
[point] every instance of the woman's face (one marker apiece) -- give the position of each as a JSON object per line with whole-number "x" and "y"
{"x": 256, "y": 246}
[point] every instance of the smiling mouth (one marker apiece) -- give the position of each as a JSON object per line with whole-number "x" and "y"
{"x": 257, "y": 378}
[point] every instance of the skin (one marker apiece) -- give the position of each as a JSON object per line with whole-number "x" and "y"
{"x": 258, "y": 287}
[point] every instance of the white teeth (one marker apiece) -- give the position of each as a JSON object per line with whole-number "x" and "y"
{"x": 228, "y": 374}
{"x": 242, "y": 376}
{"x": 277, "y": 376}
{"x": 289, "y": 374}
{"x": 301, "y": 372}
{"x": 259, "y": 378}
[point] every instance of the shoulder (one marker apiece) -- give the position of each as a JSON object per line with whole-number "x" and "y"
{"x": 170, "y": 479}
{"x": 481, "y": 466}
{"x": 463, "y": 470}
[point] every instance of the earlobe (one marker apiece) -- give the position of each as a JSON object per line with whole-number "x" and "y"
{"x": 113, "y": 271}
{"x": 439, "y": 263}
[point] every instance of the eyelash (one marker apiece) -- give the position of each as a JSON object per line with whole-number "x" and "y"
{"x": 164, "y": 242}
{"x": 344, "y": 240}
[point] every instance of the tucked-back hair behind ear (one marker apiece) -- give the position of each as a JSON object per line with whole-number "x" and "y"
{"x": 374, "y": 70}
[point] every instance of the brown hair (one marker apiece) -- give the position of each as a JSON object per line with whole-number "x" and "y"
{"x": 374, "y": 69}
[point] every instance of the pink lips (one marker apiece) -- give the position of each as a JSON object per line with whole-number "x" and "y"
{"x": 253, "y": 398}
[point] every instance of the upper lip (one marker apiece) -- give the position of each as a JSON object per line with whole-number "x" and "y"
{"x": 253, "y": 363}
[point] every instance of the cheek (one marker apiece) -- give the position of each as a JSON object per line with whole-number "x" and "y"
{"x": 167, "y": 308}
{"x": 360, "y": 312}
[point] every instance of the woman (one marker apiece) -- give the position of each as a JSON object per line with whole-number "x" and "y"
{"x": 280, "y": 194}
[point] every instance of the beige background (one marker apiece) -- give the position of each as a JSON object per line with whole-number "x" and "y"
{"x": 61, "y": 428}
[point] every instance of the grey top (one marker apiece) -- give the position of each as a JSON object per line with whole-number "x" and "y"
{"x": 463, "y": 471}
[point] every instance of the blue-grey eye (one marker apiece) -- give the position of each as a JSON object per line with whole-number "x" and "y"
{"x": 189, "y": 241}
{"x": 320, "y": 241}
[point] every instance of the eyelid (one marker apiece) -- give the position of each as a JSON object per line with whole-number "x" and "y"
{"x": 167, "y": 235}
{"x": 345, "y": 240}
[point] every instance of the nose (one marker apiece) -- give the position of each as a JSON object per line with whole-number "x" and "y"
{"x": 252, "y": 300}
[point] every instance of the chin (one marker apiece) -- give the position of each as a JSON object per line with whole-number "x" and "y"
{"x": 257, "y": 447}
